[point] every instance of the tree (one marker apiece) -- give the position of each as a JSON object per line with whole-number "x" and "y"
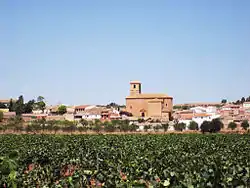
{"x": 40, "y": 104}
{"x": 19, "y": 106}
{"x": 245, "y": 125}
{"x": 243, "y": 100}
{"x": 193, "y": 126}
{"x": 1, "y": 116}
{"x": 248, "y": 99}
{"x": 11, "y": 106}
{"x": 216, "y": 125}
{"x": 146, "y": 128}
{"x": 205, "y": 127}
{"x": 165, "y": 126}
{"x": 179, "y": 126}
{"x": 237, "y": 102}
{"x": 28, "y": 107}
{"x": 40, "y": 98}
{"x": 112, "y": 104}
{"x": 232, "y": 125}
{"x": 224, "y": 101}
{"x": 62, "y": 109}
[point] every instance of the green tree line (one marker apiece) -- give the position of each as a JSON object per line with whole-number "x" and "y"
{"x": 20, "y": 107}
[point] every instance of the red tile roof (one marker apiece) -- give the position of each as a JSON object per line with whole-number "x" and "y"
{"x": 81, "y": 106}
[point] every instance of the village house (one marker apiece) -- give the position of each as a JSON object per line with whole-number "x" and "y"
{"x": 155, "y": 106}
{"x": 197, "y": 114}
{"x": 246, "y": 105}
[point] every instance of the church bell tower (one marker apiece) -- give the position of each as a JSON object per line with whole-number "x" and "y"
{"x": 135, "y": 88}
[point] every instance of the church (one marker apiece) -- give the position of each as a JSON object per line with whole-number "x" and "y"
{"x": 155, "y": 106}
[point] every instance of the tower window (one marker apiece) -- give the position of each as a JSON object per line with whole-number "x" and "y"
{"x": 134, "y": 86}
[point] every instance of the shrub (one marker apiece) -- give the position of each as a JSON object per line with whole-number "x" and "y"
{"x": 214, "y": 126}
{"x": 165, "y": 126}
{"x": 109, "y": 127}
{"x": 179, "y": 126}
{"x": 205, "y": 126}
{"x": 245, "y": 125}
{"x": 157, "y": 128}
{"x": 193, "y": 126}
{"x": 146, "y": 128}
{"x": 133, "y": 127}
{"x": 232, "y": 125}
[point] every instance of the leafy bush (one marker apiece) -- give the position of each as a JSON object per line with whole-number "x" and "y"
{"x": 133, "y": 127}
{"x": 165, "y": 126}
{"x": 214, "y": 126}
{"x": 232, "y": 125}
{"x": 179, "y": 126}
{"x": 157, "y": 128}
{"x": 193, "y": 126}
{"x": 245, "y": 125}
{"x": 147, "y": 127}
{"x": 109, "y": 127}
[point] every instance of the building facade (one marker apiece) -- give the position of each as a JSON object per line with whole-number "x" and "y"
{"x": 155, "y": 106}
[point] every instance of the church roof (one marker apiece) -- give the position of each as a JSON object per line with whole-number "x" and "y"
{"x": 148, "y": 96}
{"x": 135, "y": 82}
{"x": 155, "y": 100}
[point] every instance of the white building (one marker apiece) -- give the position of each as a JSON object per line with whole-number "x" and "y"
{"x": 200, "y": 109}
{"x": 89, "y": 113}
{"x": 199, "y": 118}
{"x": 246, "y": 105}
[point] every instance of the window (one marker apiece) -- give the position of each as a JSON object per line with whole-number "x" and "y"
{"x": 166, "y": 104}
{"x": 134, "y": 86}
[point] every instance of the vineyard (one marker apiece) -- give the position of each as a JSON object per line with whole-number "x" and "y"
{"x": 190, "y": 160}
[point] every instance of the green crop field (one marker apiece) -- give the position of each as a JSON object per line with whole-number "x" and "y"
{"x": 125, "y": 160}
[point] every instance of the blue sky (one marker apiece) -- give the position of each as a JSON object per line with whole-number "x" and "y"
{"x": 86, "y": 52}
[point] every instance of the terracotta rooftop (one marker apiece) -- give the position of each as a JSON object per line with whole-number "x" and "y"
{"x": 190, "y": 116}
{"x": 81, "y": 106}
{"x": 231, "y": 106}
{"x": 201, "y": 115}
{"x": 6, "y": 100}
{"x": 148, "y": 96}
